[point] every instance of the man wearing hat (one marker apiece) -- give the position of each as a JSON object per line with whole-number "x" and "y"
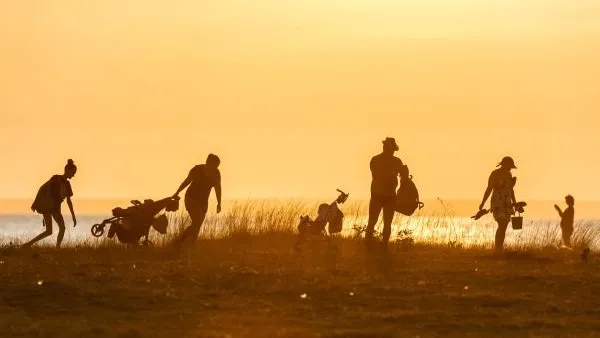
{"x": 501, "y": 186}
{"x": 385, "y": 168}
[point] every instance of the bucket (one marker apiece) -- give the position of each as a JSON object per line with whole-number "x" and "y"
{"x": 517, "y": 222}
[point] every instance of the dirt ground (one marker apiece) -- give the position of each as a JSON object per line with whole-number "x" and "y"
{"x": 259, "y": 287}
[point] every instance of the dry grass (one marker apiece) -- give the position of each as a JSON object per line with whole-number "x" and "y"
{"x": 244, "y": 279}
{"x": 252, "y": 218}
{"x": 257, "y": 286}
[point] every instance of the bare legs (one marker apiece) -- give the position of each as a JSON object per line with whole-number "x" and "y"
{"x": 501, "y": 233}
{"x": 190, "y": 234}
{"x": 61, "y": 229}
{"x": 197, "y": 209}
{"x": 566, "y": 235}
{"x": 48, "y": 232}
{"x": 376, "y": 205}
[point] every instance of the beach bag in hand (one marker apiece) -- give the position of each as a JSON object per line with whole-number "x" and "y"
{"x": 44, "y": 202}
{"x": 407, "y": 197}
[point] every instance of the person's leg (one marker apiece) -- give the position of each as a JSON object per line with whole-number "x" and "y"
{"x": 197, "y": 211}
{"x": 388, "y": 218}
{"x": 61, "y": 227}
{"x": 194, "y": 229}
{"x": 567, "y": 237}
{"x": 375, "y": 207}
{"x": 501, "y": 233}
{"x": 190, "y": 207}
{"x": 48, "y": 232}
{"x": 187, "y": 231}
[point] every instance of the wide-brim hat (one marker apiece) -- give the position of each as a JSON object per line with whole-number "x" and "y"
{"x": 507, "y": 161}
{"x": 392, "y": 142}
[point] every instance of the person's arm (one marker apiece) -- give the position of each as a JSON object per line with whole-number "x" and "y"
{"x": 560, "y": 213}
{"x": 512, "y": 190}
{"x": 184, "y": 184}
{"x": 218, "y": 192}
{"x": 372, "y": 166}
{"x": 488, "y": 191}
{"x": 512, "y": 196}
{"x": 70, "y": 204}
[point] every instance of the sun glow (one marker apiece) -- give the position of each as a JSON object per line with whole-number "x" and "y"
{"x": 296, "y": 95}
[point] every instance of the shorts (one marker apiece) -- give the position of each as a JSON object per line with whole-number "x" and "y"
{"x": 195, "y": 206}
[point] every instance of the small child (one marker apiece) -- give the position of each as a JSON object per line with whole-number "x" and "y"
{"x": 328, "y": 214}
{"x": 309, "y": 227}
{"x": 567, "y": 219}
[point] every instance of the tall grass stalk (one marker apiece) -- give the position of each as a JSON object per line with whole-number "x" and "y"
{"x": 253, "y": 218}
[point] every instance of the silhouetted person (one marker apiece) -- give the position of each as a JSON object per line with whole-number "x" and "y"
{"x": 567, "y": 218}
{"x": 201, "y": 179}
{"x": 501, "y": 186}
{"x": 48, "y": 202}
{"x": 385, "y": 168}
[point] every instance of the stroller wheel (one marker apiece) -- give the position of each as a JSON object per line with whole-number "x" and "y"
{"x": 97, "y": 230}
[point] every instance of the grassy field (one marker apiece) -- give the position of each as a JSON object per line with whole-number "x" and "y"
{"x": 258, "y": 286}
{"x": 243, "y": 279}
{"x": 436, "y": 226}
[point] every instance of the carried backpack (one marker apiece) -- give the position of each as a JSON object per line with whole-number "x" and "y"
{"x": 44, "y": 200}
{"x": 407, "y": 197}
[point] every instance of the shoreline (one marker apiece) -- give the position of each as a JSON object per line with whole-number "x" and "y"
{"x": 433, "y": 207}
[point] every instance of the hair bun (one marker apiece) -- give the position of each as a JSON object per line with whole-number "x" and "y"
{"x": 70, "y": 162}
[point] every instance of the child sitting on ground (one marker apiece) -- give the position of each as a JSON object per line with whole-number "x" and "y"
{"x": 567, "y": 219}
{"x": 308, "y": 227}
{"x": 329, "y": 214}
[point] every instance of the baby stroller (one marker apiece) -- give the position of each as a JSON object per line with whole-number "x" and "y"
{"x": 134, "y": 222}
{"x": 328, "y": 214}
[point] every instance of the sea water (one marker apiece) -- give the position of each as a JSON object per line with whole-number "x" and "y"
{"x": 21, "y": 228}
{"x": 454, "y": 231}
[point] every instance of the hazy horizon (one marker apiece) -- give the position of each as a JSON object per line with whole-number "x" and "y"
{"x": 296, "y": 96}
{"x": 433, "y": 206}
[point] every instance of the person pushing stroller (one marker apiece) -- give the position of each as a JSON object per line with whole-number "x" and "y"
{"x": 199, "y": 183}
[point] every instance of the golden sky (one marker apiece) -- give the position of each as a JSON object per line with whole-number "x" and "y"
{"x": 296, "y": 96}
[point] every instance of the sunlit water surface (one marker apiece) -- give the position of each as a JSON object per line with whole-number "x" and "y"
{"x": 455, "y": 231}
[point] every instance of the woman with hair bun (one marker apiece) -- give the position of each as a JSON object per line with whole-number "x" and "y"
{"x": 48, "y": 202}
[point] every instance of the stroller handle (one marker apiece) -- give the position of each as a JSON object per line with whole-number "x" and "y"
{"x": 342, "y": 197}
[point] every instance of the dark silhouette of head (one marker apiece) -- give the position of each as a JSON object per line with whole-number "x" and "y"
{"x": 70, "y": 169}
{"x": 323, "y": 209}
{"x": 507, "y": 163}
{"x": 213, "y": 161}
{"x": 570, "y": 200}
{"x": 390, "y": 146}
